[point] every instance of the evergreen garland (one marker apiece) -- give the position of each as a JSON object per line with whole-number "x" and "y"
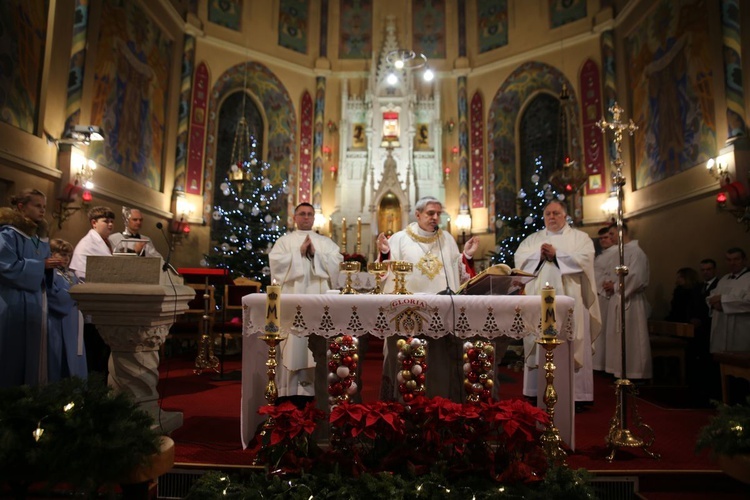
{"x": 529, "y": 218}
{"x": 247, "y": 220}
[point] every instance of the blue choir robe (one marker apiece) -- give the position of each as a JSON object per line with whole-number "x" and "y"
{"x": 23, "y": 321}
{"x": 66, "y": 354}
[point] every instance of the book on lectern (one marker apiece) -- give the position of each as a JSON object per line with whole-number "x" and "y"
{"x": 499, "y": 279}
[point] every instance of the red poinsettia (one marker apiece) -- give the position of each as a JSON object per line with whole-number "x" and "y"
{"x": 291, "y": 422}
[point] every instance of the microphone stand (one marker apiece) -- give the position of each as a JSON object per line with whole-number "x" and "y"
{"x": 166, "y": 265}
{"x": 447, "y": 290}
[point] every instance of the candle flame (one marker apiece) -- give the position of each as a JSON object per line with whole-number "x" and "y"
{"x": 274, "y": 282}
{"x": 546, "y": 283}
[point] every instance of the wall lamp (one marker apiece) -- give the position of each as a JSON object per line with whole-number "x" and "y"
{"x": 718, "y": 170}
{"x": 609, "y": 207}
{"x": 80, "y": 175}
{"x": 463, "y": 225}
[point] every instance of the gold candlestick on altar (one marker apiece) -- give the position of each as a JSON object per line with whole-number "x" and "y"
{"x": 358, "y": 248}
{"x": 343, "y": 235}
{"x": 272, "y": 338}
{"x": 550, "y": 439}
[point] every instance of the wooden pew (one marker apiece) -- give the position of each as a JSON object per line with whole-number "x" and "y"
{"x": 670, "y": 340}
{"x": 732, "y": 364}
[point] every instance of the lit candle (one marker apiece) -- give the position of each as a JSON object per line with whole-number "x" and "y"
{"x": 548, "y": 312}
{"x": 273, "y": 309}
{"x": 343, "y": 235}
{"x": 448, "y": 226}
{"x": 359, "y": 235}
{"x": 330, "y": 226}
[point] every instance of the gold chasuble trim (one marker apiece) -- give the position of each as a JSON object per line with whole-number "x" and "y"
{"x": 429, "y": 264}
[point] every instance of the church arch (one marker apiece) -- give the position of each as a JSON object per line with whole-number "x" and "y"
{"x": 502, "y": 129}
{"x": 275, "y": 104}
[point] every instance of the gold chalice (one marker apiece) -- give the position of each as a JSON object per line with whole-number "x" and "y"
{"x": 349, "y": 267}
{"x": 401, "y": 268}
{"x": 379, "y": 270}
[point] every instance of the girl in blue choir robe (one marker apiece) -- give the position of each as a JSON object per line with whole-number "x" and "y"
{"x": 66, "y": 354}
{"x": 25, "y": 272}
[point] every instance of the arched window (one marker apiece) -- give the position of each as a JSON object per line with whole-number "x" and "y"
{"x": 539, "y": 138}
{"x": 232, "y": 109}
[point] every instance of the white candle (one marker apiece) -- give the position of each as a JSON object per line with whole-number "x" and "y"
{"x": 273, "y": 309}
{"x": 548, "y": 312}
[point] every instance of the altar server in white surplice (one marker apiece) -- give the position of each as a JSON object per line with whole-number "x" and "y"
{"x": 303, "y": 261}
{"x": 637, "y": 311}
{"x": 604, "y": 269}
{"x": 438, "y": 265}
{"x": 730, "y": 303}
{"x": 563, "y": 257}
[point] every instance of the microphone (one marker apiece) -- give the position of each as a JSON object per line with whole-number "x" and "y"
{"x": 166, "y": 265}
{"x": 447, "y": 290}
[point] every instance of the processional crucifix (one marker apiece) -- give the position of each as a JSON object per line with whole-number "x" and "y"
{"x": 620, "y": 436}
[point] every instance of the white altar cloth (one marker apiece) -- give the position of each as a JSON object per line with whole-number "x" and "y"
{"x": 433, "y": 316}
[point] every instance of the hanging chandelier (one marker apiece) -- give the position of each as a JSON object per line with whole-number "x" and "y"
{"x": 568, "y": 178}
{"x": 402, "y": 59}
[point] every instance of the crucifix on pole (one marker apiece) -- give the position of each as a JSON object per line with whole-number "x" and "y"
{"x": 620, "y": 436}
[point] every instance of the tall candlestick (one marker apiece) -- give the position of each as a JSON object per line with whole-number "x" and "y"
{"x": 273, "y": 309}
{"x": 448, "y": 226}
{"x": 548, "y": 312}
{"x": 330, "y": 226}
{"x": 343, "y": 235}
{"x": 359, "y": 235}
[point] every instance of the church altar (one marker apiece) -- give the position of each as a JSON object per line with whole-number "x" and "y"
{"x": 431, "y": 316}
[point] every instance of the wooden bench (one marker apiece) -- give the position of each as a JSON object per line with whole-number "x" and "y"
{"x": 732, "y": 364}
{"x": 670, "y": 340}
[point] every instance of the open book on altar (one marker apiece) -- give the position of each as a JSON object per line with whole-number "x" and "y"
{"x": 499, "y": 279}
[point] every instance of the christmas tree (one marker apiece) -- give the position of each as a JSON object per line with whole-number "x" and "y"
{"x": 529, "y": 217}
{"x": 246, "y": 216}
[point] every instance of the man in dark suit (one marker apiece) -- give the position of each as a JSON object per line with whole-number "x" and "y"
{"x": 708, "y": 272}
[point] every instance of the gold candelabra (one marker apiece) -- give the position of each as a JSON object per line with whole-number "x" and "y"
{"x": 551, "y": 441}
{"x": 206, "y": 358}
{"x": 272, "y": 339}
{"x": 620, "y": 436}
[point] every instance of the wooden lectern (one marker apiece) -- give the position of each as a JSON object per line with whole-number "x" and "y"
{"x": 209, "y": 279}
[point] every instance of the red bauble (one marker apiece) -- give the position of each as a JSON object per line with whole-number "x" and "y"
{"x": 472, "y": 353}
{"x": 407, "y": 363}
{"x": 486, "y": 394}
{"x": 347, "y": 339}
{"x": 472, "y": 376}
{"x": 408, "y": 397}
{"x": 402, "y": 388}
{"x": 476, "y": 365}
{"x": 420, "y": 378}
{"x": 347, "y": 361}
{"x": 334, "y": 347}
{"x": 333, "y": 366}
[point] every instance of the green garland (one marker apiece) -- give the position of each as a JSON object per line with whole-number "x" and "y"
{"x": 559, "y": 483}
{"x": 98, "y": 440}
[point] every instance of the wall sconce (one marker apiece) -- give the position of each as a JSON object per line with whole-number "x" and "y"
{"x": 320, "y": 221}
{"x": 463, "y": 225}
{"x": 447, "y": 173}
{"x": 179, "y": 226}
{"x": 454, "y": 153}
{"x": 719, "y": 171}
{"x": 609, "y": 207}
{"x": 80, "y": 177}
{"x": 334, "y": 171}
{"x": 327, "y": 153}
{"x": 332, "y": 127}
{"x": 449, "y": 126}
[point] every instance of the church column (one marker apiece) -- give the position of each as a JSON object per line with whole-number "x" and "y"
{"x": 186, "y": 89}
{"x": 608, "y": 74}
{"x": 463, "y": 221}
{"x": 732, "y": 48}
{"x": 77, "y": 59}
{"x": 320, "y": 104}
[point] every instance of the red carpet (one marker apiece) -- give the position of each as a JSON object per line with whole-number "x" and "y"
{"x": 211, "y": 431}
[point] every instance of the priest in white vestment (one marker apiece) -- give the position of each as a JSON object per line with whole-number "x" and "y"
{"x": 439, "y": 267}
{"x": 637, "y": 311}
{"x": 563, "y": 257}
{"x": 730, "y": 303}
{"x": 303, "y": 261}
{"x": 604, "y": 270}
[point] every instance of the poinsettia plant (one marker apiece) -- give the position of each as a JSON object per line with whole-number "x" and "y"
{"x": 289, "y": 445}
{"x": 497, "y": 438}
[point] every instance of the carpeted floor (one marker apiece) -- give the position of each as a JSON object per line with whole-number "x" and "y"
{"x": 211, "y": 431}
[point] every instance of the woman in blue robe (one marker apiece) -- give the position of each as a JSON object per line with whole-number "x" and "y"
{"x": 66, "y": 354}
{"x": 25, "y": 273}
